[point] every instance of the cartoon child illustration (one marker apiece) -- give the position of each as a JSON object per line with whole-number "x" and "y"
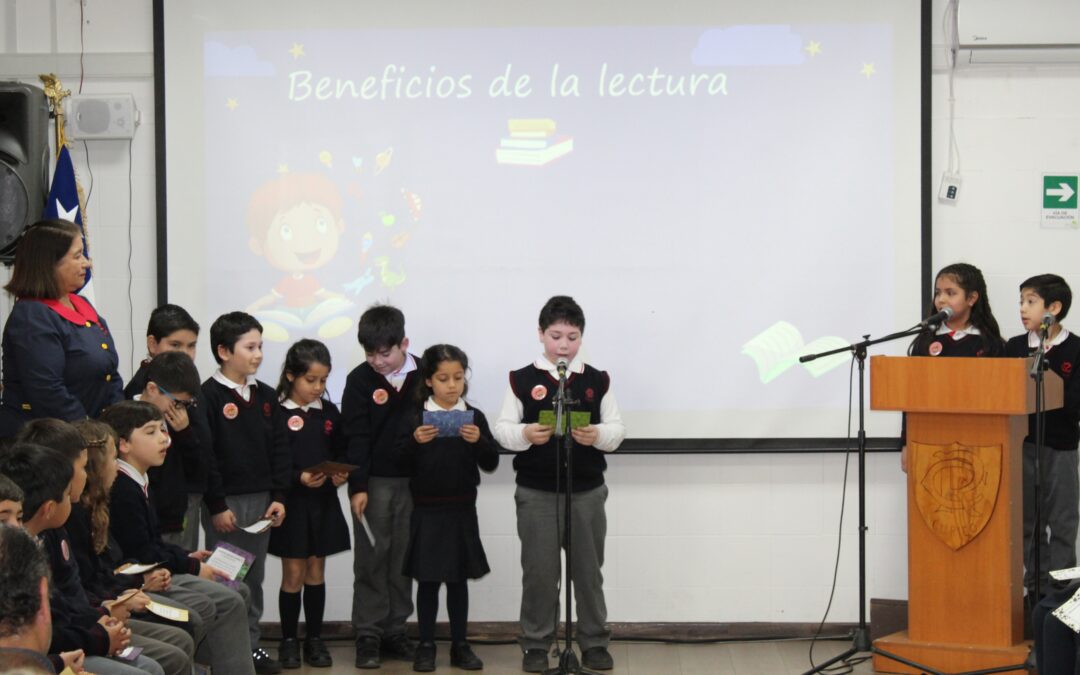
{"x": 295, "y": 223}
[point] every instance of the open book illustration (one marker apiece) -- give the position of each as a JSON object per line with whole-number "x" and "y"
{"x": 778, "y": 348}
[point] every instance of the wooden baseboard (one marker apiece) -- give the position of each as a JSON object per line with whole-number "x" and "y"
{"x": 507, "y": 631}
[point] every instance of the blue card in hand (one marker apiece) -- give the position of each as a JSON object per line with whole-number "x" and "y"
{"x": 448, "y": 422}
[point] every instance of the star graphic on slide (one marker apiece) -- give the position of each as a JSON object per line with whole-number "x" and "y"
{"x": 283, "y": 168}
{"x": 297, "y": 50}
{"x": 867, "y": 70}
{"x": 65, "y": 214}
{"x": 231, "y": 104}
{"x": 814, "y": 48}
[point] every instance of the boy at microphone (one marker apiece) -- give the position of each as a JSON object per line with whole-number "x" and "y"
{"x": 1044, "y": 303}
{"x": 541, "y": 488}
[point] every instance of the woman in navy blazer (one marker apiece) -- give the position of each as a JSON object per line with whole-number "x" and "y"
{"x": 59, "y": 359}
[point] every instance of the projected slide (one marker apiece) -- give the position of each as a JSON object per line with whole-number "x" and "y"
{"x": 720, "y": 198}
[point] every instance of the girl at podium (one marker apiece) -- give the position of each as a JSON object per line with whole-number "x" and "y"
{"x": 971, "y": 330}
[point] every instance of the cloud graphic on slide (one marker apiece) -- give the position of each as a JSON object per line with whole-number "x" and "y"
{"x": 222, "y": 61}
{"x": 749, "y": 46}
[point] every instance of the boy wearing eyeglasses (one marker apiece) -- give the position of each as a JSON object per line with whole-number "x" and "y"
{"x": 172, "y": 386}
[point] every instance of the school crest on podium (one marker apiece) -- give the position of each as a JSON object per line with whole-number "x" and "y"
{"x": 956, "y": 488}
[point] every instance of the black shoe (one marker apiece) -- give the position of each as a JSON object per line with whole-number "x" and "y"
{"x": 289, "y": 653}
{"x": 264, "y": 665}
{"x": 398, "y": 646}
{"x": 462, "y": 656}
{"x": 534, "y": 661}
{"x": 367, "y": 652}
{"x": 316, "y": 654}
{"x": 598, "y": 658}
{"x": 425, "y": 658}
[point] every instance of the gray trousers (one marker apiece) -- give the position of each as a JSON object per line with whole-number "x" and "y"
{"x": 103, "y": 665}
{"x": 382, "y": 595}
{"x": 170, "y": 646}
{"x": 247, "y": 509}
{"x": 189, "y": 537}
{"x": 1059, "y": 500}
{"x": 540, "y": 522}
{"x": 218, "y": 616}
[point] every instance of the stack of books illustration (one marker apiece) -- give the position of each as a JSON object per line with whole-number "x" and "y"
{"x": 532, "y": 142}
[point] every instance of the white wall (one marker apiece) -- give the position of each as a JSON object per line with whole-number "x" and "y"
{"x": 690, "y": 538}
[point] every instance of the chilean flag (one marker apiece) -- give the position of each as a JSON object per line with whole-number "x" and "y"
{"x": 63, "y": 203}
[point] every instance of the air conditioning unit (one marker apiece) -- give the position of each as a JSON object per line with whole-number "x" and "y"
{"x": 1003, "y": 32}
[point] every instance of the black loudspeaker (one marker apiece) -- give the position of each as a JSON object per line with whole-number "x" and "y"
{"x": 24, "y": 159}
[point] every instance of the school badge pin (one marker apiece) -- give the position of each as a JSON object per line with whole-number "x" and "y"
{"x": 539, "y": 392}
{"x": 328, "y": 427}
{"x": 296, "y": 423}
{"x": 380, "y": 396}
{"x": 956, "y": 488}
{"x": 230, "y": 411}
{"x": 935, "y": 348}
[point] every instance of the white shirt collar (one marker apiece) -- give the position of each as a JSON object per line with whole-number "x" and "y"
{"x": 576, "y": 366}
{"x": 241, "y": 389}
{"x": 140, "y": 478}
{"x": 406, "y": 368}
{"x": 431, "y": 406}
{"x": 290, "y": 404}
{"x": 944, "y": 329}
{"x": 1033, "y": 338}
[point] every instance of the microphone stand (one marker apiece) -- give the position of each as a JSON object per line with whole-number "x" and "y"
{"x": 568, "y": 661}
{"x": 1038, "y": 370}
{"x": 861, "y": 637}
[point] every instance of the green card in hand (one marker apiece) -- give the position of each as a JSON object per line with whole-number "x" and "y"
{"x": 578, "y": 419}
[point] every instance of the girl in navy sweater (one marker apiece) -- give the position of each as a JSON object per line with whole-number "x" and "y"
{"x": 316, "y": 526}
{"x": 971, "y": 331}
{"x": 444, "y": 543}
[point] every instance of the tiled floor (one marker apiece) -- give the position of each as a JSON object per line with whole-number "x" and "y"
{"x": 741, "y": 658}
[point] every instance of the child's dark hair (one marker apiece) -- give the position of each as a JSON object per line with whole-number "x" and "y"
{"x": 174, "y": 372}
{"x": 298, "y": 360}
{"x": 43, "y": 474}
{"x": 9, "y": 491}
{"x": 227, "y": 330}
{"x": 127, "y": 416}
{"x": 429, "y": 363}
{"x": 23, "y": 564}
{"x": 381, "y": 327}
{"x": 970, "y": 279}
{"x": 1051, "y": 288}
{"x": 53, "y": 433}
{"x": 562, "y": 308}
{"x": 167, "y": 319}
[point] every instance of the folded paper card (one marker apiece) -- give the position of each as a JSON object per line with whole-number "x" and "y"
{"x": 329, "y": 467}
{"x": 448, "y": 422}
{"x": 578, "y": 419}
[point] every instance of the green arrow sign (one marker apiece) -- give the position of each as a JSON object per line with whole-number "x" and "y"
{"x": 1059, "y": 192}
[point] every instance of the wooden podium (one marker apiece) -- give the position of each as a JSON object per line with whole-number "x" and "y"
{"x": 966, "y": 422}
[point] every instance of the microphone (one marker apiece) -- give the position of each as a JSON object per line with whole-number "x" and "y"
{"x": 1047, "y": 321}
{"x": 560, "y": 398}
{"x": 937, "y": 319}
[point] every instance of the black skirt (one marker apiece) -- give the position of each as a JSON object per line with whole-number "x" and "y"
{"x": 444, "y": 544}
{"x": 314, "y": 526}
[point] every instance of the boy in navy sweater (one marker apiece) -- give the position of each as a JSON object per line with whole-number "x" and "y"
{"x": 378, "y": 394}
{"x": 540, "y": 493}
{"x": 172, "y": 386}
{"x": 250, "y": 465}
{"x": 221, "y": 635}
{"x": 1042, "y": 297}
